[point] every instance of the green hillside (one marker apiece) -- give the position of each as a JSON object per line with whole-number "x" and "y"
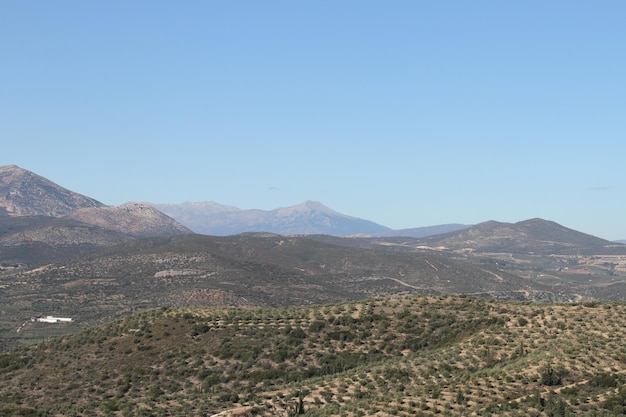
{"x": 403, "y": 356}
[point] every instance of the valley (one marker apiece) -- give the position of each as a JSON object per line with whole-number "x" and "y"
{"x": 254, "y": 270}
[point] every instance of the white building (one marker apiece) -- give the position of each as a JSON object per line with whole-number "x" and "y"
{"x": 52, "y": 319}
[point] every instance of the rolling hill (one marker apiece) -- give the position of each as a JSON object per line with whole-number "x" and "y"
{"x": 400, "y": 356}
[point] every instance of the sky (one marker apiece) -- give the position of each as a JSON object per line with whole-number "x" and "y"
{"x": 408, "y": 113}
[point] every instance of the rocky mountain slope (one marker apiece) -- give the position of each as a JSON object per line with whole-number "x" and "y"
{"x": 310, "y": 217}
{"x": 24, "y": 193}
{"x": 135, "y": 219}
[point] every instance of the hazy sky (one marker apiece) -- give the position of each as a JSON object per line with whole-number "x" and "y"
{"x": 406, "y": 113}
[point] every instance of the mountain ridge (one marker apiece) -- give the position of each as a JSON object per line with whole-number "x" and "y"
{"x": 309, "y": 217}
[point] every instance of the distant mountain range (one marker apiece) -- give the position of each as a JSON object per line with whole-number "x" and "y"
{"x": 310, "y": 217}
{"x": 41, "y": 221}
{"x": 43, "y": 215}
{"x": 24, "y": 193}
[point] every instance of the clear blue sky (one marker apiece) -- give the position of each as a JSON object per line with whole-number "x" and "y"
{"x": 406, "y": 113}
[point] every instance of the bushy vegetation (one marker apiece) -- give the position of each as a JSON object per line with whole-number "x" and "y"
{"x": 406, "y": 356}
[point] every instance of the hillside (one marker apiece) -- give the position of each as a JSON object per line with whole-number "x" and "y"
{"x": 310, "y": 217}
{"x": 407, "y": 356}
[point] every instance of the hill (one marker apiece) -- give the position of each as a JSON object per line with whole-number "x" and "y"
{"x": 407, "y": 356}
{"x": 529, "y": 236}
{"x": 135, "y": 219}
{"x": 310, "y": 217}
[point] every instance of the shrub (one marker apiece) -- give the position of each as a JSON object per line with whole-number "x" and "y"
{"x": 550, "y": 377}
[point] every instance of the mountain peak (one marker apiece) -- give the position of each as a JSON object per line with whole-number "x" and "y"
{"x": 313, "y": 205}
{"x": 24, "y": 193}
{"x": 10, "y": 167}
{"x": 309, "y": 206}
{"x": 137, "y": 206}
{"x": 534, "y": 220}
